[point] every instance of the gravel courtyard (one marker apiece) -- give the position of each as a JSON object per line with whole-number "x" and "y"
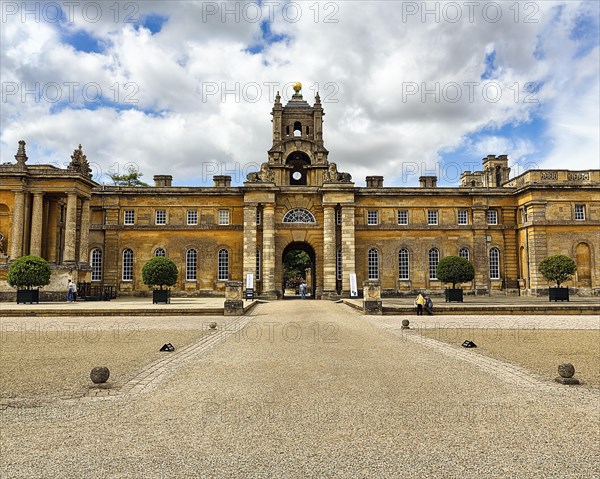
{"x": 312, "y": 389}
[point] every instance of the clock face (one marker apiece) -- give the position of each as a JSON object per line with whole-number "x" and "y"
{"x": 297, "y": 175}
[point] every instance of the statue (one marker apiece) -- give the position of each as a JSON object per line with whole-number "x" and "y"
{"x": 79, "y": 163}
{"x": 265, "y": 175}
{"x": 2, "y": 244}
{"x": 332, "y": 175}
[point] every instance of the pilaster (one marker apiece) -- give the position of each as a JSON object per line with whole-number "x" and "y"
{"x": 37, "y": 224}
{"x": 70, "y": 229}
{"x": 16, "y": 247}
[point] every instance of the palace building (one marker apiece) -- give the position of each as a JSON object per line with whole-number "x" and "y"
{"x": 300, "y": 201}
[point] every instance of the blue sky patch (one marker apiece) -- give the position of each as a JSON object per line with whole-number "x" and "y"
{"x": 267, "y": 38}
{"x": 82, "y": 41}
{"x": 153, "y": 22}
{"x": 490, "y": 66}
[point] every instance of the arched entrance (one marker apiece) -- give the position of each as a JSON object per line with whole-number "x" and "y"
{"x": 298, "y": 263}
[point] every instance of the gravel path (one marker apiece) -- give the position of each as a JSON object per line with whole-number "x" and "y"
{"x": 312, "y": 390}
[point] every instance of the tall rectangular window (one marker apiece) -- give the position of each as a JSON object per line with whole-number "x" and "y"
{"x": 373, "y": 264}
{"x": 338, "y": 217}
{"x": 524, "y": 215}
{"x": 463, "y": 217}
{"x": 129, "y": 217}
{"x": 492, "y": 217}
{"x": 432, "y": 217}
{"x": 580, "y": 212}
{"x": 434, "y": 259}
{"x": 258, "y": 216}
{"x": 161, "y": 217}
{"x": 372, "y": 217}
{"x": 403, "y": 266}
{"x": 403, "y": 217}
{"x": 338, "y": 265}
{"x": 223, "y": 217}
{"x": 257, "y": 264}
{"x": 494, "y": 263}
{"x": 96, "y": 264}
{"x": 127, "y": 265}
{"x": 192, "y": 217}
{"x": 223, "y": 265}
{"x": 191, "y": 265}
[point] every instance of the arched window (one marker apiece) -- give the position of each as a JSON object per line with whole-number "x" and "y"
{"x": 191, "y": 265}
{"x": 434, "y": 259}
{"x": 494, "y": 263}
{"x": 373, "y": 264}
{"x": 257, "y": 264}
{"x": 297, "y": 129}
{"x": 338, "y": 265}
{"x": 127, "y": 265}
{"x": 403, "y": 264}
{"x": 464, "y": 253}
{"x": 223, "y": 265}
{"x": 96, "y": 264}
{"x": 299, "y": 215}
{"x": 160, "y": 252}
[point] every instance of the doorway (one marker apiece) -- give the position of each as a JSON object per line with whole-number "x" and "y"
{"x": 298, "y": 265}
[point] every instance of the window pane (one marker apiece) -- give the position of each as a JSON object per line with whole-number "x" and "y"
{"x": 192, "y": 217}
{"x": 127, "y": 265}
{"x": 257, "y": 264}
{"x": 159, "y": 252}
{"x": 190, "y": 265}
{"x": 579, "y": 212}
{"x": 373, "y": 264}
{"x": 372, "y": 217}
{"x": 223, "y": 217}
{"x": 129, "y": 217}
{"x": 403, "y": 266}
{"x": 463, "y": 217}
{"x": 223, "y": 265}
{"x": 161, "y": 217}
{"x": 403, "y": 217}
{"x": 432, "y": 217}
{"x": 494, "y": 263}
{"x": 338, "y": 265}
{"x": 96, "y": 264}
{"x": 434, "y": 258}
{"x": 492, "y": 217}
{"x": 464, "y": 253}
{"x": 299, "y": 216}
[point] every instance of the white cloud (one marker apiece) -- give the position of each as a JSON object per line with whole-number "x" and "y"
{"x": 362, "y": 64}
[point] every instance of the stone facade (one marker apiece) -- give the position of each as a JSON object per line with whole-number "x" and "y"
{"x": 299, "y": 200}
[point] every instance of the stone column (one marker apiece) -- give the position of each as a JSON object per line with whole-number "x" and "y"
{"x": 52, "y": 228}
{"x": 348, "y": 248}
{"x": 37, "y": 226}
{"x": 16, "y": 246}
{"x": 70, "y": 229}
{"x": 250, "y": 242}
{"x": 268, "y": 252}
{"x": 329, "y": 255}
{"x": 84, "y": 231}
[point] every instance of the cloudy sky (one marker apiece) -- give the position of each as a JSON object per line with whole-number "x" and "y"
{"x": 408, "y": 88}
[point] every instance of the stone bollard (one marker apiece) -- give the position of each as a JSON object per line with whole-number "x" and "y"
{"x": 566, "y": 372}
{"x": 234, "y": 304}
{"x": 372, "y": 297}
{"x": 405, "y": 324}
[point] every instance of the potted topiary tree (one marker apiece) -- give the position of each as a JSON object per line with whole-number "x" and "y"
{"x": 160, "y": 271}
{"x": 26, "y": 273}
{"x": 558, "y": 269}
{"x": 454, "y": 269}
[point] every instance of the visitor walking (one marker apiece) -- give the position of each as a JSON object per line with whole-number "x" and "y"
{"x": 419, "y": 303}
{"x": 303, "y": 290}
{"x": 71, "y": 290}
{"x": 428, "y": 305}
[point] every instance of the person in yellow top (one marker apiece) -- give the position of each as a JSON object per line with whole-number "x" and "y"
{"x": 419, "y": 303}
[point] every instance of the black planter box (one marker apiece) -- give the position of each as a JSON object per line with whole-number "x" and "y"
{"x": 28, "y": 296}
{"x": 454, "y": 295}
{"x": 161, "y": 296}
{"x": 558, "y": 294}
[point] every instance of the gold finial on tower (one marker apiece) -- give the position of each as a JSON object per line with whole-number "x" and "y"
{"x": 297, "y": 87}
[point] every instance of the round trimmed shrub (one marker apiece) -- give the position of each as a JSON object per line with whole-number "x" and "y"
{"x": 454, "y": 269}
{"x": 159, "y": 271}
{"x": 29, "y": 272}
{"x": 557, "y": 269}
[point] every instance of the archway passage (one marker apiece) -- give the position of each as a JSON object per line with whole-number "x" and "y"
{"x": 298, "y": 261}
{"x": 298, "y": 160}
